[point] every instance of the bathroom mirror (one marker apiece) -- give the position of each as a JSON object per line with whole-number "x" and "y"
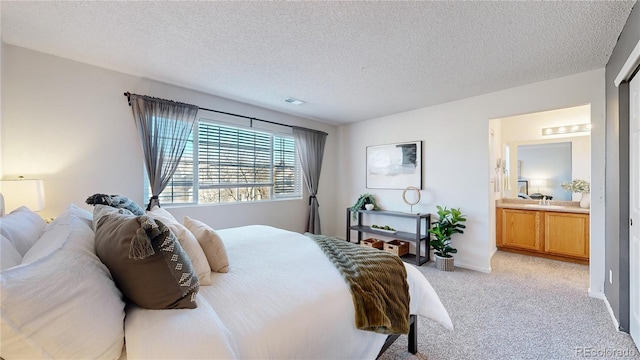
{"x": 540, "y": 166}
{"x": 545, "y": 167}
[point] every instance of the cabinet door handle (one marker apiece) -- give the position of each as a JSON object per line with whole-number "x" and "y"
{"x": 630, "y": 222}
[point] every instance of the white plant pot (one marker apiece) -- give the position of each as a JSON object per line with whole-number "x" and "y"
{"x": 585, "y": 200}
{"x": 369, "y": 207}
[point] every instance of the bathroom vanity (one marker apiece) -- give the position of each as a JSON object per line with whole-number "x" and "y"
{"x": 559, "y": 230}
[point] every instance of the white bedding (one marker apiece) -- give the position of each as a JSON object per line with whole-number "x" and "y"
{"x": 282, "y": 298}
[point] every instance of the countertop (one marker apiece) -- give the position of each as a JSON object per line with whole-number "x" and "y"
{"x": 557, "y": 206}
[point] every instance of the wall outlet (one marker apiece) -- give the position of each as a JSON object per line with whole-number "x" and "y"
{"x": 610, "y": 277}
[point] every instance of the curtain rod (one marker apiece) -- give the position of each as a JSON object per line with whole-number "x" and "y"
{"x": 128, "y": 95}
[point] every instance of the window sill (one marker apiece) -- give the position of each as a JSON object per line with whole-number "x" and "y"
{"x": 261, "y": 202}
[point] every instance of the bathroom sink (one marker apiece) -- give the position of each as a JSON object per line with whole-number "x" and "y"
{"x": 538, "y": 206}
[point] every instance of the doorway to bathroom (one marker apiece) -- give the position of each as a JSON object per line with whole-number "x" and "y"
{"x": 542, "y": 171}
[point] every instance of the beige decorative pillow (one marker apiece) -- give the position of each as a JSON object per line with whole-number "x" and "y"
{"x": 188, "y": 242}
{"x": 211, "y": 244}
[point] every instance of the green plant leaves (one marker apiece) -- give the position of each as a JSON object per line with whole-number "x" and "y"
{"x": 448, "y": 223}
{"x": 362, "y": 200}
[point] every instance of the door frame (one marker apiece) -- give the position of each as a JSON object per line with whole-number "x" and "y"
{"x": 621, "y": 81}
{"x": 634, "y": 232}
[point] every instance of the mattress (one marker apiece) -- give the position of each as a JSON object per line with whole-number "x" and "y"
{"x": 282, "y": 298}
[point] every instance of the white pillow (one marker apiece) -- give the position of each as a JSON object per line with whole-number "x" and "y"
{"x": 51, "y": 240}
{"x": 22, "y": 227}
{"x": 10, "y": 257}
{"x": 66, "y": 232}
{"x": 188, "y": 241}
{"x": 82, "y": 214}
{"x": 62, "y": 306}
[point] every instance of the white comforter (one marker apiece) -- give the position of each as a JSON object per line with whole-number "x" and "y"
{"x": 281, "y": 299}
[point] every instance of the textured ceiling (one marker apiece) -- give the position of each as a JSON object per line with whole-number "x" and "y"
{"x": 349, "y": 61}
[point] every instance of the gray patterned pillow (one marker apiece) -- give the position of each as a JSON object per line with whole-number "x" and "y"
{"x": 99, "y": 211}
{"x": 116, "y": 201}
{"x": 146, "y": 261}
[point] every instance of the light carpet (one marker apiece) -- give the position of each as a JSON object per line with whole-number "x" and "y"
{"x": 526, "y": 308}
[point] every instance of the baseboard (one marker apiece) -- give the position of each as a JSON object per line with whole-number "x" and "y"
{"x": 600, "y": 295}
{"x": 476, "y": 268}
{"x": 495, "y": 250}
{"x": 472, "y": 267}
{"x": 616, "y": 324}
{"x": 597, "y": 295}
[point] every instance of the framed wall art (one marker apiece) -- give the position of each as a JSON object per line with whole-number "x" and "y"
{"x": 394, "y": 166}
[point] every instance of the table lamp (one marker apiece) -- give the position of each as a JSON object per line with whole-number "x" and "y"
{"x": 23, "y": 192}
{"x": 538, "y": 183}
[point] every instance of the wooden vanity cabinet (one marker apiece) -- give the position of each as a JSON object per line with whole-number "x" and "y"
{"x": 553, "y": 234}
{"x": 521, "y": 229}
{"x": 567, "y": 234}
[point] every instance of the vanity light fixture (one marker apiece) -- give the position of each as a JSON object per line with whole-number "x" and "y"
{"x": 566, "y": 129}
{"x": 294, "y": 101}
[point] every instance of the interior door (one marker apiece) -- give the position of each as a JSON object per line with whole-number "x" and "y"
{"x": 634, "y": 209}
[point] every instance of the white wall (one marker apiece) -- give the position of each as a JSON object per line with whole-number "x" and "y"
{"x": 69, "y": 124}
{"x": 495, "y": 190}
{"x": 529, "y": 126}
{"x": 456, "y": 158}
{"x": 1, "y": 108}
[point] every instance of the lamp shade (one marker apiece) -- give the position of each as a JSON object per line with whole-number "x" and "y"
{"x": 29, "y": 193}
{"x": 539, "y": 182}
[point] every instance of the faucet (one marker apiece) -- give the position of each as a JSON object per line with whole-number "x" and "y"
{"x": 544, "y": 201}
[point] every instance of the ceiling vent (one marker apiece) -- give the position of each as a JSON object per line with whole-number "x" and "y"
{"x": 294, "y": 101}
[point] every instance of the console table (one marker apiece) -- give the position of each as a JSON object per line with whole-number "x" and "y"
{"x": 421, "y": 234}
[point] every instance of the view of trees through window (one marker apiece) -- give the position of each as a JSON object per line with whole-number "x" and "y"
{"x": 233, "y": 164}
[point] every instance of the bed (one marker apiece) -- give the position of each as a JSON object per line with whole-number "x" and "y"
{"x": 281, "y": 298}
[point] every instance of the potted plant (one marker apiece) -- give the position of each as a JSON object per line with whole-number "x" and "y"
{"x": 579, "y": 186}
{"x": 361, "y": 203}
{"x": 448, "y": 223}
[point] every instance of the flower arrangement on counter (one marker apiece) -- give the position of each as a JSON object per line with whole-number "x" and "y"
{"x": 577, "y": 186}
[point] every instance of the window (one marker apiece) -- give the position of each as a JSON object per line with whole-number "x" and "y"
{"x": 229, "y": 164}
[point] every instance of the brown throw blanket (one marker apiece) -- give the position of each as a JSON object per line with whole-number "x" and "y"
{"x": 378, "y": 284}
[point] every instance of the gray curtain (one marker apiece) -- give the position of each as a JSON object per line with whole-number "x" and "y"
{"x": 310, "y": 149}
{"x": 164, "y": 127}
